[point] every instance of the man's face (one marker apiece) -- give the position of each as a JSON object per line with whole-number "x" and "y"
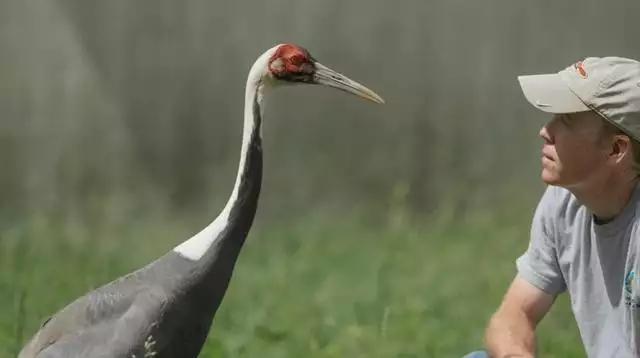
{"x": 574, "y": 151}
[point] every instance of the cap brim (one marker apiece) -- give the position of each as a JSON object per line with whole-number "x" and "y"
{"x": 550, "y": 94}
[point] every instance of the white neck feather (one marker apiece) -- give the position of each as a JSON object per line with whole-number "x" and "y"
{"x": 196, "y": 246}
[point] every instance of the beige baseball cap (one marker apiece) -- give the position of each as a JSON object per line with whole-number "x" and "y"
{"x": 609, "y": 86}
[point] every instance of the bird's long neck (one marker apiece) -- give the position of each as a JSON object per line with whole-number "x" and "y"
{"x": 220, "y": 242}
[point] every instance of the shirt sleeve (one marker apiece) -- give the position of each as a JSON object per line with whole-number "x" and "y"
{"x": 539, "y": 263}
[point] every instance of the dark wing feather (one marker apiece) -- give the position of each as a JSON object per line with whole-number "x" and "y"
{"x": 128, "y": 335}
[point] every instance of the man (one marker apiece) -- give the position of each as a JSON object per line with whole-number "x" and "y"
{"x": 585, "y": 234}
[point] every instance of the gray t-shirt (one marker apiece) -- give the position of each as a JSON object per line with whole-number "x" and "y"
{"x": 597, "y": 264}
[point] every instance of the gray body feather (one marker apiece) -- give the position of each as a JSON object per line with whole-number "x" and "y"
{"x": 165, "y": 309}
{"x": 150, "y": 313}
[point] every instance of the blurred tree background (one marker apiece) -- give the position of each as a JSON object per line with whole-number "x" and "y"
{"x": 115, "y": 112}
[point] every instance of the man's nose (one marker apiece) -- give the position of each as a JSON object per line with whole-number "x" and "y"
{"x": 545, "y": 133}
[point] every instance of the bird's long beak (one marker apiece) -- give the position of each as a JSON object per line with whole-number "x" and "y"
{"x": 328, "y": 77}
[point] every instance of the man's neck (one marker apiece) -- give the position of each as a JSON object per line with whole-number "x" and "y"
{"x": 607, "y": 198}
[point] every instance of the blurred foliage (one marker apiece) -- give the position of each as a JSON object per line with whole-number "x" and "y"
{"x": 317, "y": 287}
{"x": 142, "y": 101}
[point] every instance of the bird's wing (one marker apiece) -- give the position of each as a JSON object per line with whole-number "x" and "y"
{"x": 129, "y": 335}
{"x": 100, "y": 305}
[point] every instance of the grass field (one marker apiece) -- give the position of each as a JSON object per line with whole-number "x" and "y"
{"x": 313, "y": 288}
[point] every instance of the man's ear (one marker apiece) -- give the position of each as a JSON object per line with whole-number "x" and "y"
{"x": 621, "y": 148}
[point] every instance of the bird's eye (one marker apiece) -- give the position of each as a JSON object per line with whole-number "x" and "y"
{"x": 296, "y": 60}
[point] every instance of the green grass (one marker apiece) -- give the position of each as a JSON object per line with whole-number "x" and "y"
{"x": 312, "y": 288}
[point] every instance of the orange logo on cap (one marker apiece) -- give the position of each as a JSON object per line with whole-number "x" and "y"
{"x": 580, "y": 68}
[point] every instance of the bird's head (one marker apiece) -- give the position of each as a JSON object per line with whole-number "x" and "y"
{"x": 290, "y": 63}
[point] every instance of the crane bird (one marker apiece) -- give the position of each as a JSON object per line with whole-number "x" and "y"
{"x": 165, "y": 309}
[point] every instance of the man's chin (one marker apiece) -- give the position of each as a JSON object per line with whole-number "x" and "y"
{"x": 550, "y": 178}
